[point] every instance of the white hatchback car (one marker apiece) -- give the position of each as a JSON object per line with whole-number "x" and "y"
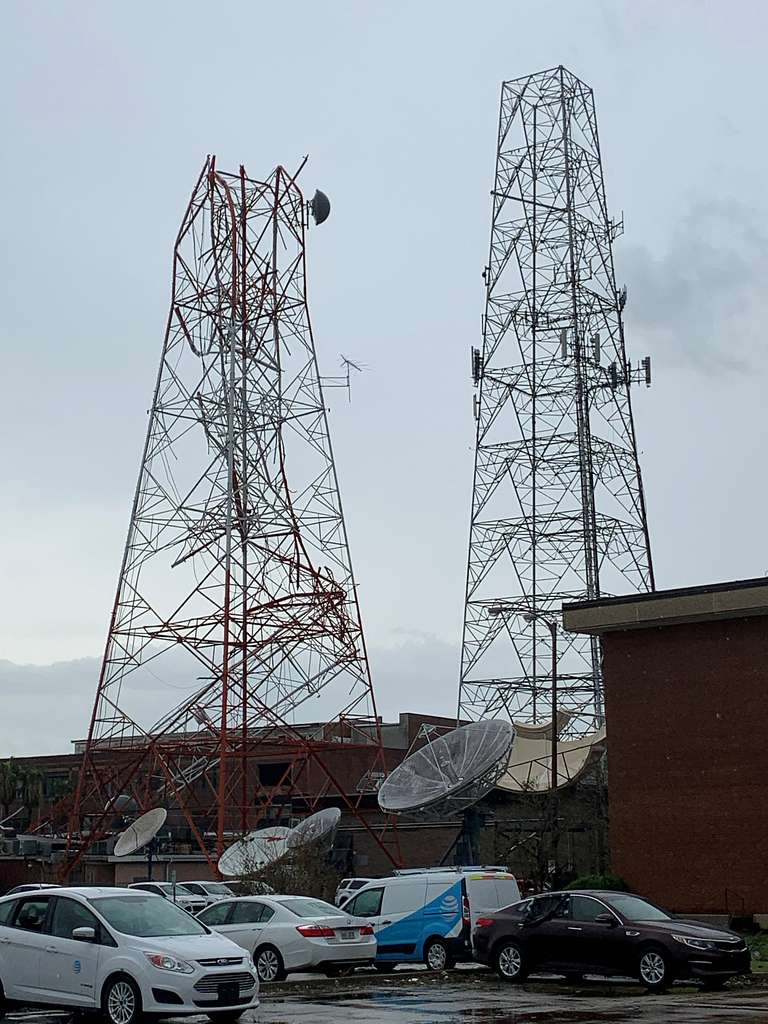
{"x": 293, "y": 933}
{"x": 121, "y": 951}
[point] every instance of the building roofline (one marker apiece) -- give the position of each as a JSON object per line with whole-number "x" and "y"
{"x": 732, "y": 600}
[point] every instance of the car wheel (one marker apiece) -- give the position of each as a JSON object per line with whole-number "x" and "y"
{"x": 121, "y": 1001}
{"x": 655, "y": 969}
{"x": 269, "y": 964}
{"x": 384, "y": 967}
{"x": 509, "y": 962}
{"x": 436, "y": 955}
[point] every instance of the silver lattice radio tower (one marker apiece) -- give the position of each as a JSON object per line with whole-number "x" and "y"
{"x": 558, "y": 512}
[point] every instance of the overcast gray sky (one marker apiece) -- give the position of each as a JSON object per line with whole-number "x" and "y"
{"x": 107, "y": 112}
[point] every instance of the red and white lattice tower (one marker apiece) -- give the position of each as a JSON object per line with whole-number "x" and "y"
{"x": 236, "y": 583}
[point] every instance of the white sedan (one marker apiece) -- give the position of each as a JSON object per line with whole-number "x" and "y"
{"x": 123, "y": 952}
{"x": 293, "y": 933}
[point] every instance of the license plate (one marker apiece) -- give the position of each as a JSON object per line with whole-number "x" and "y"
{"x": 229, "y": 993}
{"x": 348, "y": 934}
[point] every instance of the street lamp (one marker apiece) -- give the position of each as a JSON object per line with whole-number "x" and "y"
{"x": 552, "y": 626}
{"x": 533, "y": 616}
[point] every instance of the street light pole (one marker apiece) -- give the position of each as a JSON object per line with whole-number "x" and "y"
{"x": 533, "y": 617}
{"x": 554, "y": 797}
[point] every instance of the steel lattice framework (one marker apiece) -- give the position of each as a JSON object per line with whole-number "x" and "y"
{"x": 558, "y": 511}
{"x": 236, "y": 582}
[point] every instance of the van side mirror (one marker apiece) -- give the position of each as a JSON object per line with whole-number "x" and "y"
{"x": 607, "y": 919}
{"x": 84, "y": 934}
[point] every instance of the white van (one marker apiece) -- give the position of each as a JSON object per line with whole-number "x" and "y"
{"x": 428, "y": 914}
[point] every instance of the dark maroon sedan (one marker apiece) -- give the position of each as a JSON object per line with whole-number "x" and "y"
{"x": 608, "y": 933}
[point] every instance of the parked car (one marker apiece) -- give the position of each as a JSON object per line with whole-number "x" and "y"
{"x": 293, "y": 933}
{"x": 348, "y": 887}
{"x": 427, "y": 915}
{"x": 120, "y": 951}
{"x": 177, "y": 894}
{"x": 249, "y": 887}
{"x": 608, "y": 933}
{"x": 209, "y": 891}
{"x": 32, "y": 887}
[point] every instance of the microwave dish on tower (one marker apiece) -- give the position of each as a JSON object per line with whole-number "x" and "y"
{"x": 318, "y": 827}
{"x": 450, "y": 773}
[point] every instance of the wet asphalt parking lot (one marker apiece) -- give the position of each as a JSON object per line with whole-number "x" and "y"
{"x": 479, "y": 998}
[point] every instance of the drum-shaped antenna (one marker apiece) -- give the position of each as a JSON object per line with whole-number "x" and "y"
{"x": 320, "y": 205}
{"x": 317, "y": 828}
{"x": 254, "y": 851}
{"x": 141, "y": 832}
{"x": 450, "y": 773}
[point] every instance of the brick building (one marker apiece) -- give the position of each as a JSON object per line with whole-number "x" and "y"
{"x": 686, "y": 684}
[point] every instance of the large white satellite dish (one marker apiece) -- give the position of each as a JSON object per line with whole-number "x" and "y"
{"x": 317, "y": 828}
{"x": 254, "y": 851}
{"x": 141, "y": 832}
{"x": 529, "y": 766}
{"x": 450, "y": 773}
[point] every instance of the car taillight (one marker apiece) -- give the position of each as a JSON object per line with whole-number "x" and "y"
{"x": 315, "y": 931}
{"x": 485, "y": 922}
{"x": 366, "y": 930}
{"x": 465, "y": 909}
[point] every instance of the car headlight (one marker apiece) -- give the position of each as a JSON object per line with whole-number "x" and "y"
{"x": 688, "y": 940}
{"x": 164, "y": 962}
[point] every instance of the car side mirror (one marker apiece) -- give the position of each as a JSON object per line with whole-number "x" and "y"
{"x": 607, "y": 919}
{"x": 84, "y": 934}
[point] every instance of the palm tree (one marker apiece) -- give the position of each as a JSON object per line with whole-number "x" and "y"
{"x": 30, "y": 789}
{"x": 9, "y": 784}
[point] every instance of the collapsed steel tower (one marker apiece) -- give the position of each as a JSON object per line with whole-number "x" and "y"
{"x": 236, "y": 591}
{"x": 558, "y": 512}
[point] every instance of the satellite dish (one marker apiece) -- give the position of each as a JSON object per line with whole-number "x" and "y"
{"x": 254, "y": 851}
{"x": 141, "y": 832}
{"x": 320, "y": 205}
{"x": 529, "y": 766}
{"x": 450, "y": 773}
{"x": 318, "y": 827}
{"x": 121, "y": 805}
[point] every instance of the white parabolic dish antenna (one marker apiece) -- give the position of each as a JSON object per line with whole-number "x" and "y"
{"x": 141, "y": 832}
{"x": 451, "y": 772}
{"x": 254, "y": 851}
{"x": 318, "y": 827}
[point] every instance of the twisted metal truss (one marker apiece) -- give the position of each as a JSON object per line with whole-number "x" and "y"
{"x": 236, "y": 582}
{"x": 558, "y": 512}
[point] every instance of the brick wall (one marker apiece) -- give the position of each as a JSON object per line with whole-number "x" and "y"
{"x": 687, "y": 717}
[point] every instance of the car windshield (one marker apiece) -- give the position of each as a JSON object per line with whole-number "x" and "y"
{"x": 217, "y": 889}
{"x": 146, "y": 916}
{"x": 308, "y": 908}
{"x": 635, "y": 909}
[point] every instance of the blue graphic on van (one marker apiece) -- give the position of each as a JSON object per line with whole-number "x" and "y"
{"x": 441, "y": 917}
{"x": 449, "y": 904}
{"x": 77, "y": 967}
